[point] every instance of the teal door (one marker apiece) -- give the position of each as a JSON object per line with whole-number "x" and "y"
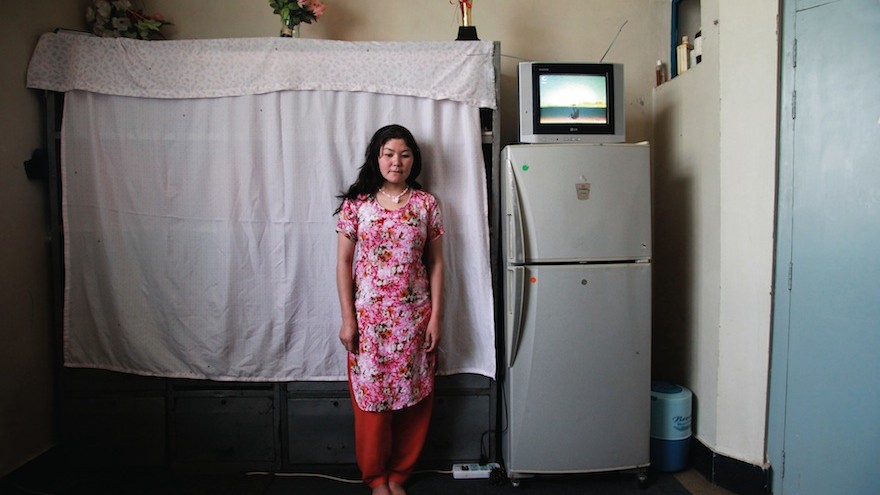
{"x": 824, "y": 432}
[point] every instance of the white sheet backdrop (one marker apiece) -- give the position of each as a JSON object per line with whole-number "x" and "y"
{"x": 199, "y": 180}
{"x": 200, "y": 240}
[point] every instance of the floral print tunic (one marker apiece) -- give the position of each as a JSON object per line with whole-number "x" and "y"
{"x": 392, "y": 299}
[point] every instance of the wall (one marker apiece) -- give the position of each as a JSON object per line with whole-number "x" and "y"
{"x": 26, "y": 339}
{"x": 713, "y": 178}
{"x": 563, "y": 30}
{"x": 748, "y": 77}
{"x": 686, "y": 234}
{"x": 715, "y": 165}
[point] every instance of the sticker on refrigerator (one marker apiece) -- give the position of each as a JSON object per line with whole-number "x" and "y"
{"x": 583, "y": 191}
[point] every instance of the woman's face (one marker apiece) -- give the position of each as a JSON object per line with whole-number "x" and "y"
{"x": 395, "y": 161}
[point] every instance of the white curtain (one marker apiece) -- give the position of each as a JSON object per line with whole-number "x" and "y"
{"x": 199, "y": 179}
{"x": 200, "y": 241}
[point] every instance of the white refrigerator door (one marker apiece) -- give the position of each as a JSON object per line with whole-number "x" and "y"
{"x": 577, "y": 389}
{"x": 576, "y": 202}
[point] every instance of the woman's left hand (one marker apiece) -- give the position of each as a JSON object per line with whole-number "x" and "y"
{"x": 432, "y": 336}
{"x": 434, "y": 264}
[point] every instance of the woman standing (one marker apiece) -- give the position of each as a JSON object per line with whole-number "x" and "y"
{"x": 389, "y": 231}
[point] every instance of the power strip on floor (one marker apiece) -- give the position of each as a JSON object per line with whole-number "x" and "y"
{"x": 473, "y": 471}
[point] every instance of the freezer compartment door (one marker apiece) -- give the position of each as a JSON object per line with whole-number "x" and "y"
{"x": 570, "y": 203}
{"x": 577, "y": 396}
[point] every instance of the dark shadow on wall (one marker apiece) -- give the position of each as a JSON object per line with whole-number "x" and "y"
{"x": 673, "y": 280}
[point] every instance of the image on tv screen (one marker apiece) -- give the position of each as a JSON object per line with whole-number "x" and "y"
{"x": 572, "y": 99}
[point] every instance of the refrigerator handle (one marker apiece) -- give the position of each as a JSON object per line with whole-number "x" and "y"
{"x": 515, "y": 248}
{"x": 515, "y": 295}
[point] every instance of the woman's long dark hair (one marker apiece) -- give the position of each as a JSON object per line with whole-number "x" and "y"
{"x": 369, "y": 178}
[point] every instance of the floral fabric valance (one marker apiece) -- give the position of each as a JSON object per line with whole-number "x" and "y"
{"x": 461, "y": 71}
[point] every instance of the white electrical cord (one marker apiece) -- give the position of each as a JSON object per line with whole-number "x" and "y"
{"x": 302, "y": 475}
{"x": 327, "y": 476}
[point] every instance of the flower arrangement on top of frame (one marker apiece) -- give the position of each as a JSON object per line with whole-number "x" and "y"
{"x": 118, "y": 19}
{"x": 294, "y": 12}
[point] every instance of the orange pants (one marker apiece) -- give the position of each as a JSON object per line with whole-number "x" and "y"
{"x": 387, "y": 444}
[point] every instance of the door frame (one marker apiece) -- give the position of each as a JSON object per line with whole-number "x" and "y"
{"x": 783, "y": 249}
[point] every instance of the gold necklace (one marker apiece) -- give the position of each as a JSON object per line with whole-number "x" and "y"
{"x": 395, "y": 199}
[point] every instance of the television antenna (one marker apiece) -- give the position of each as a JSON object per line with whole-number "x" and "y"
{"x": 613, "y": 41}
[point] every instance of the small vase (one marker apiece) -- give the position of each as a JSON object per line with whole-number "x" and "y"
{"x": 290, "y": 30}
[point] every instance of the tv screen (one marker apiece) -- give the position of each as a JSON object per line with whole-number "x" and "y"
{"x": 571, "y": 102}
{"x": 567, "y": 99}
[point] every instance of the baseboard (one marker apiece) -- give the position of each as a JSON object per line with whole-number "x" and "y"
{"x": 731, "y": 474}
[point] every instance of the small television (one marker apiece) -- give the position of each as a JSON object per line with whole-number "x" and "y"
{"x": 563, "y": 102}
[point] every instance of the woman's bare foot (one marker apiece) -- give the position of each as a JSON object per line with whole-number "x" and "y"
{"x": 396, "y": 489}
{"x": 382, "y": 490}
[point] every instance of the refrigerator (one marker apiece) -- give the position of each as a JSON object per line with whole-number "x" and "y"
{"x": 576, "y": 249}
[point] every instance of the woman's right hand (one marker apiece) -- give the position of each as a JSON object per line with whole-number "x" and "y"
{"x": 348, "y": 335}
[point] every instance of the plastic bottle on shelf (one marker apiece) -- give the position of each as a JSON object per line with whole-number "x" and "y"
{"x": 660, "y": 73}
{"x": 682, "y": 55}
